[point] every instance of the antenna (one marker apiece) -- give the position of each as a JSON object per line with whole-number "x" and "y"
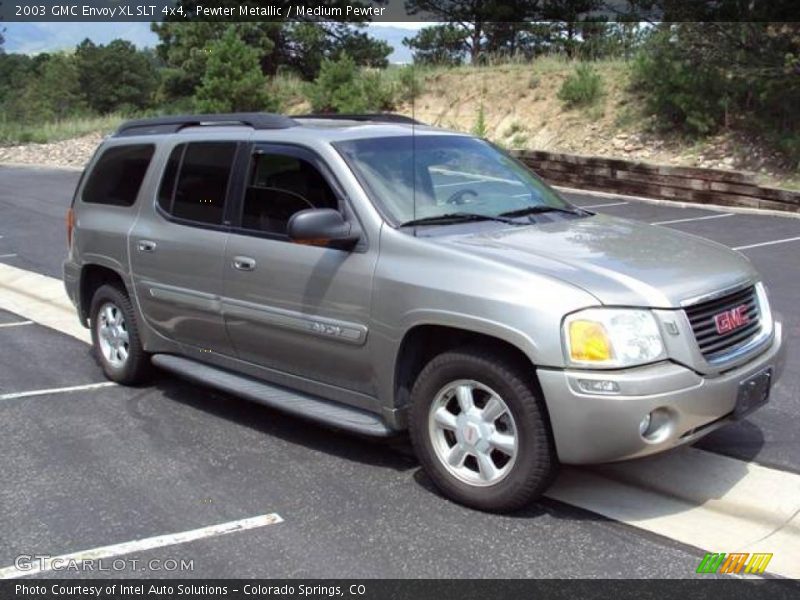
{"x": 413, "y": 145}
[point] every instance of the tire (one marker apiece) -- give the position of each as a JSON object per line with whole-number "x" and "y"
{"x": 488, "y": 472}
{"x": 116, "y": 342}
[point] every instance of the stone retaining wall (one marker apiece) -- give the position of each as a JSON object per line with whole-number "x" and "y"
{"x": 682, "y": 184}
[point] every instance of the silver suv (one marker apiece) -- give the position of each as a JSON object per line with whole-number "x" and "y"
{"x": 376, "y": 275}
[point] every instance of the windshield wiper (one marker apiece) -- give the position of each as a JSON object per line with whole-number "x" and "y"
{"x": 541, "y": 208}
{"x": 456, "y": 217}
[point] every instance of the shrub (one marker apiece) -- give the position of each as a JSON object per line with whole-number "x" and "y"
{"x": 583, "y": 87}
{"x": 520, "y": 140}
{"x": 479, "y": 129}
{"x": 675, "y": 90}
{"x": 409, "y": 83}
{"x": 343, "y": 88}
{"x": 515, "y": 127}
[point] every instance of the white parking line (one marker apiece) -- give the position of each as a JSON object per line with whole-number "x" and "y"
{"x": 602, "y": 205}
{"x": 772, "y": 243}
{"x": 17, "y": 324}
{"x": 475, "y": 176}
{"x": 722, "y": 216}
{"x": 74, "y": 388}
{"x": 161, "y": 541}
{"x": 473, "y": 182}
{"x": 7, "y": 255}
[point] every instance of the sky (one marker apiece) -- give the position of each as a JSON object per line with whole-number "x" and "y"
{"x": 32, "y": 38}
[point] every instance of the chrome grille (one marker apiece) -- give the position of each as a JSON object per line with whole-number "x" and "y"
{"x": 712, "y": 344}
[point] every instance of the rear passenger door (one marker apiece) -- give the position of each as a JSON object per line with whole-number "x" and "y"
{"x": 177, "y": 246}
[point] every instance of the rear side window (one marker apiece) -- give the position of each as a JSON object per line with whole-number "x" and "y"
{"x": 195, "y": 181}
{"x": 118, "y": 175}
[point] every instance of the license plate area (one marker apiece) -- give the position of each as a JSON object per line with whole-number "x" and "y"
{"x": 753, "y": 392}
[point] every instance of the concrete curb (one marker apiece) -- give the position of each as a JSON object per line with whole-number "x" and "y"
{"x": 699, "y": 498}
{"x": 41, "y": 299}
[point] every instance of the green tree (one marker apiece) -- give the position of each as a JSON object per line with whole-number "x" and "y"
{"x": 473, "y": 18}
{"x": 116, "y": 76}
{"x": 51, "y": 92}
{"x": 183, "y": 48}
{"x": 15, "y": 70}
{"x": 2, "y": 40}
{"x": 567, "y": 17}
{"x": 438, "y": 45}
{"x": 233, "y": 80}
{"x": 705, "y": 76}
{"x": 297, "y": 46}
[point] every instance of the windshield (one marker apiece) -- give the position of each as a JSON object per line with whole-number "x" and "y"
{"x": 428, "y": 176}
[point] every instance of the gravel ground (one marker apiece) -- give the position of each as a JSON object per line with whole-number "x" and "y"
{"x": 67, "y": 153}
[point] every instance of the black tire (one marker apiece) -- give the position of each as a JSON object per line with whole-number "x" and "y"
{"x": 535, "y": 465}
{"x": 136, "y": 366}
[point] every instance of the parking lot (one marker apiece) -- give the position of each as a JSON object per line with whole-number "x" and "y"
{"x": 87, "y": 464}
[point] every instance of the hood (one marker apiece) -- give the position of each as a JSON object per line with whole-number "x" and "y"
{"x": 618, "y": 261}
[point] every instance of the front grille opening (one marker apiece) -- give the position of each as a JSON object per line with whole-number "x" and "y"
{"x": 714, "y": 345}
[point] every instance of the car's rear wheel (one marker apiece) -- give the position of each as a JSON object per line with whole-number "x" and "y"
{"x": 116, "y": 338}
{"x": 480, "y": 430}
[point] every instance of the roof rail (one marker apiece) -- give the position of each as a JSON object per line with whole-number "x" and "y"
{"x": 373, "y": 117}
{"x": 173, "y": 124}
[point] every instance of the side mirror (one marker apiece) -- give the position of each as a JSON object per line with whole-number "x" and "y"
{"x": 321, "y": 227}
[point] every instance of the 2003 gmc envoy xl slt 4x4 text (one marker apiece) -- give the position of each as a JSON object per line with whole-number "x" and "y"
{"x": 376, "y": 275}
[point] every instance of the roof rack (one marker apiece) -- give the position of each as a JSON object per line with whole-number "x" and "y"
{"x": 372, "y": 117}
{"x": 173, "y": 124}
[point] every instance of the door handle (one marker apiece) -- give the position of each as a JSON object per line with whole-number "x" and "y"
{"x": 146, "y": 246}
{"x": 244, "y": 263}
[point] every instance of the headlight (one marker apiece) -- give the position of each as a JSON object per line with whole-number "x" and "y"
{"x": 763, "y": 304}
{"x": 612, "y": 337}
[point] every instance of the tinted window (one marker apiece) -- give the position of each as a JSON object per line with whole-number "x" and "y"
{"x": 167, "y": 189}
{"x": 280, "y": 186}
{"x": 118, "y": 175}
{"x": 203, "y": 182}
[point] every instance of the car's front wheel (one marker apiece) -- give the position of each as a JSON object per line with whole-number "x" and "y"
{"x": 479, "y": 428}
{"x": 116, "y": 338}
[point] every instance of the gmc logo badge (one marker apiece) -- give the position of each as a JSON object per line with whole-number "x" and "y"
{"x": 731, "y": 319}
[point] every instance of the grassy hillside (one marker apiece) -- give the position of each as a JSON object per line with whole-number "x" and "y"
{"x": 518, "y": 106}
{"x": 520, "y": 103}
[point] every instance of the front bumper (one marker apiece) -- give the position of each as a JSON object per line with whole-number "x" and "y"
{"x": 596, "y": 428}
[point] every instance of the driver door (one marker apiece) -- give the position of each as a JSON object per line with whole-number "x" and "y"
{"x": 295, "y": 308}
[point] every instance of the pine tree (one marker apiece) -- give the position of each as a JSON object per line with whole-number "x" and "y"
{"x": 233, "y": 80}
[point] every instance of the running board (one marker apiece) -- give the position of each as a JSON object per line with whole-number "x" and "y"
{"x": 296, "y": 403}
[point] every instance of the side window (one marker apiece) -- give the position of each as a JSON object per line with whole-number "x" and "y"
{"x": 279, "y": 186}
{"x": 166, "y": 192}
{"x": 202, "y": 170}
{"x": 118, "y": 175}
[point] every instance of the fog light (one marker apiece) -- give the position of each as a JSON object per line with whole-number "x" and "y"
{"x": 645, "y": 424}
{"x": 598, "y": 386}
{"x": 657, "y": 426}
